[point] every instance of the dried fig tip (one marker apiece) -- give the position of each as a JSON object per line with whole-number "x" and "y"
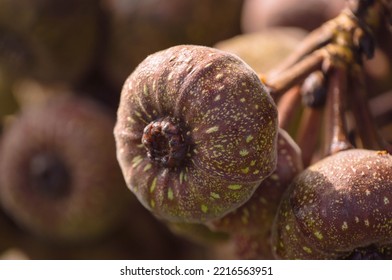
{"x": 164, "y": 142}
{"x": 49, "y": 176}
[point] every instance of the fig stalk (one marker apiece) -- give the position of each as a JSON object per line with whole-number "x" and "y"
{"x": 336, "y": 138}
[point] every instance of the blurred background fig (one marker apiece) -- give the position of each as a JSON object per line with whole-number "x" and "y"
{"x": 265, "y": 49}
{"x": 138, "y": 28}
{"x": 52, "y": 41}
{"x": 59, "y": 177}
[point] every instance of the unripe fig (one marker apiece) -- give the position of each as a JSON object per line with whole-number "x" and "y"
{"x": 266, "y": 49}
{"x": 196, "y": 133}
{"x": 59, "y": 177}
{"x": 250, "y": 225}
{"x": 258, "y": 213}
{"x": 338, "y": 208}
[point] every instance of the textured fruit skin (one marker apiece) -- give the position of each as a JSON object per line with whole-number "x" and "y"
{"x": 258, "y": 213}
{"x": 250, "y": 225}
{"x": 228, "y": 122}
{"x": 336, "y": 206}
{"x": 78, "y": 133}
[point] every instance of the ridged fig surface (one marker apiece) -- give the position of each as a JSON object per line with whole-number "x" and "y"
{"x": 221, "y": 130}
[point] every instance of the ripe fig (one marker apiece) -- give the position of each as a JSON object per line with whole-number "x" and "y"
{"x": 196, "y": 133}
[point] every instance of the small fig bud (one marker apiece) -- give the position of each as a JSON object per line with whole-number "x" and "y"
{"x": 314, "y": 90}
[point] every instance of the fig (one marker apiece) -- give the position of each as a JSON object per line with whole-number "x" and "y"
{"x": 59, "y": 177}
{"x": 265, "y": 49}
{"x": 337, "y": 208}
{"x": 258, "y": 213}
{"x": 196, "y": 133}
{"x": 52, "y": 41}
{"x": 139, "y": 28}
{"x": 250, "y": 225}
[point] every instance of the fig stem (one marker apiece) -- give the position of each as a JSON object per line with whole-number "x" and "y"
{"x": 307, "y": 135}
{"x": 296, "y": 74}
{"x": 313, "y": 41}
{"x": 287, "y": 106}
{"x": 336, "y": 137}
{"x": 362, "y": 115}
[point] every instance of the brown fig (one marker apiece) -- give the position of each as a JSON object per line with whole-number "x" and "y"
{"x": 338, "y": 208}
{"x": 59, "y": 177}
{"x": 264, "y": 50}
{"x": 138, "y": 28}
{"x": 196, "y": 133}
{"x": 250, "y": 225}
{"x": 258, "y": 213}
{"x": 50, "y": 40}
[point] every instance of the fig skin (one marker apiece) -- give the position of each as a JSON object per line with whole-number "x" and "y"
{"x": 250, "y": 225}
{"x": 225, "y": 117}
{"x": 336, "y": 207}
{"x": 59, "y": 177}
{"x": 258, "y": 213}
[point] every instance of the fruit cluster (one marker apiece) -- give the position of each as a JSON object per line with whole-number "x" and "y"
{"x": 271, "y": 144}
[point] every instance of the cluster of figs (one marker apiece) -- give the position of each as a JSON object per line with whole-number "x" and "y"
{"x": 198, "y": 142}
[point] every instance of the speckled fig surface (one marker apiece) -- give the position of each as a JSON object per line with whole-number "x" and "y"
{"x": 196, "y": 133}
{"x": 337, "y": 208}
{"x": 250, "y": 225}
{"x": 257, "y": 214}
{"x": 59, "y": 177}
